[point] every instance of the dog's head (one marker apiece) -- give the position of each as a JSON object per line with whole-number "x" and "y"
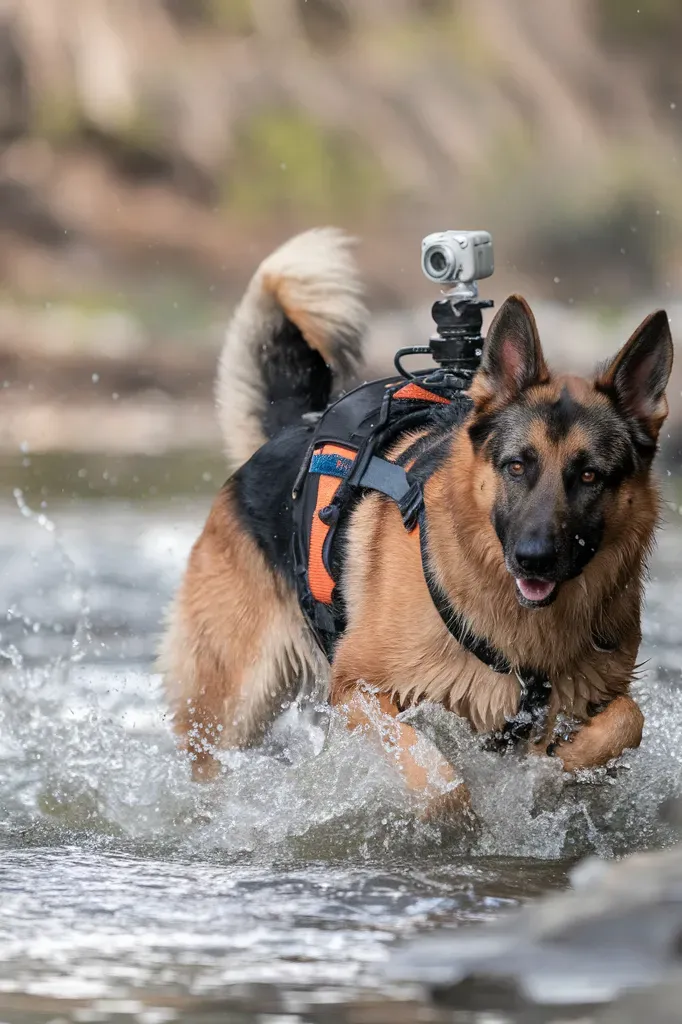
{"x": 562, "y": 448}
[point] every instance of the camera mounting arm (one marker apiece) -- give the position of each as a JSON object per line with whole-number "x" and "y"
{"x": 457, "y": 345}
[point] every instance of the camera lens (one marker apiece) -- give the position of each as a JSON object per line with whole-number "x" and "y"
{"x": 439, "y": 263}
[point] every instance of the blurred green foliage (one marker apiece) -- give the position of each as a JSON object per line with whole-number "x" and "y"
{"x": 639, "y": 22}
{"x": 286, "y": 162}
{"x": 231, "y": 15}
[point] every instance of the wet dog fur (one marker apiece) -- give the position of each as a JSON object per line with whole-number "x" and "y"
{"x": 541, "y": 509}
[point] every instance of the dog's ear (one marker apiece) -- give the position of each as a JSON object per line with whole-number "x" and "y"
{"x": 636, "y": 378}
{"x": 512, "y": 355}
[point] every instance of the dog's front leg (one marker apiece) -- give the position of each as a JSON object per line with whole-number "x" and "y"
{"x": 422, "y": 766}
{"x": 615, "y": 729}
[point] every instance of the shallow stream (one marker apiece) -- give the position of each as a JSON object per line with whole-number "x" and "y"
{"x": 279, "y": 892}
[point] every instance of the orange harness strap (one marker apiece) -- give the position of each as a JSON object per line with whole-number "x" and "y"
{"x": 415, "y": 392}
{"x": 320, "y": 582}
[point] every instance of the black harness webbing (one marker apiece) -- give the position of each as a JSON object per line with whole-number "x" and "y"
{"x": 343, "y": 449}
{"x": 535, "y": 686}
{"x": 455, "y": 622}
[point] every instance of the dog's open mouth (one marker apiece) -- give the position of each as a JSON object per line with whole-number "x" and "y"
{"x": 535, "y": 592}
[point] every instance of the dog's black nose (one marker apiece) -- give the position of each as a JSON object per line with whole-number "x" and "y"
{"x": 535, "y": 553}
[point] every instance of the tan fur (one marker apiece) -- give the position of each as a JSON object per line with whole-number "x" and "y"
{"x": 396, "y": 640}
{"x": 236, "y": 645}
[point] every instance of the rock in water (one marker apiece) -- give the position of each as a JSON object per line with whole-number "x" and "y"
{"x": 619, "y": 929}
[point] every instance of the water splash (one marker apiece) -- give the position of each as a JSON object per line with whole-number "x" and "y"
{"x": 88, "y": 756}
{"x": 87, "y": 753}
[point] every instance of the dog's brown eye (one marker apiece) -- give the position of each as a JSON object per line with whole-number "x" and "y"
{"x": 516, "y": 468}
{"x": 588, "y": 476}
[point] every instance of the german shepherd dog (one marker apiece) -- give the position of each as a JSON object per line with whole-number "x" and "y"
{"x": 541, "y": 508}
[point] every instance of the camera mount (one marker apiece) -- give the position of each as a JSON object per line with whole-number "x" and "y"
{"x": 457, "y": 345}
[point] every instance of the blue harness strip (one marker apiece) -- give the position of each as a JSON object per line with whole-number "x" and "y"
{"x": 331, "y": 465}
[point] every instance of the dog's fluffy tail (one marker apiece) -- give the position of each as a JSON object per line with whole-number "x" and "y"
{"x": 295, "y": 336}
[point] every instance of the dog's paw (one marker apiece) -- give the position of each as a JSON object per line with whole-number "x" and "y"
{"x": 603, "y": 738}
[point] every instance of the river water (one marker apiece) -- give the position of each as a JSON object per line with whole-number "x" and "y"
{"x": 279, "y": 892}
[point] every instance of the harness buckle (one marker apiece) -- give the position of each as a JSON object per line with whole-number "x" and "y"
{"x": 329, "y": 515}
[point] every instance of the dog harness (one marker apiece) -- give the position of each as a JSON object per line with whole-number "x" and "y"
{"x": 343, "y": 461}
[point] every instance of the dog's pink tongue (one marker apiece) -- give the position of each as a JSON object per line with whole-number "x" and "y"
{"x": 535, "y": 590}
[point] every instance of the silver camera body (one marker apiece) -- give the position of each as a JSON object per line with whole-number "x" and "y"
{"x": 457, "y": 257}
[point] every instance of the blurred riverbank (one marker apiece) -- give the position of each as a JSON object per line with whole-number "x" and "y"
{"x": 176, "y": 140}
{"x": 114, "y": 381}
{"x": 152, "y": 154}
